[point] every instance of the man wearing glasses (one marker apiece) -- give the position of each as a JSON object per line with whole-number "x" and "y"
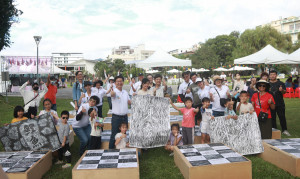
{"x": 78, "y": 89}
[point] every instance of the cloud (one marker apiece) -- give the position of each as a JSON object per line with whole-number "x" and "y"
{"x": 95, "y": 27}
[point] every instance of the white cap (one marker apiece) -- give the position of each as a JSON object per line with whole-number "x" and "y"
{"x": 198, "y": 80}
{"x": 111, "y": 78}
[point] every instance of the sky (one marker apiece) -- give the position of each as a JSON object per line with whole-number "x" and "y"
{"x": 95, "y": 27}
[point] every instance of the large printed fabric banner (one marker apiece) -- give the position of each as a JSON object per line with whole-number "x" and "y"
{"x": 242, "y": 135}
{"x": 30, "y": 134}
{"x": 150, "y": 121}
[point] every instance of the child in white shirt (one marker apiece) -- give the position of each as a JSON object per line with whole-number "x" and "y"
{"x": 96, "y": 124}
{"x": 244, "y": 107}
{"x": 47, "y": 109}
{"x": 206, "y": 116}
{"x": 121, "y": 138}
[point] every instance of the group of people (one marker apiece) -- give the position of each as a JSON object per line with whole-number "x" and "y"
{"x": 203, "y": 101}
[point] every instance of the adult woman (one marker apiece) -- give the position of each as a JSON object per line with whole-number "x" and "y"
{"x": 216, "y": 93}
{"x": 266, "y": 101}
{"x": 203, "y": 89}
{"x": 99, "y": 91}
{"x": 144, "y": 88}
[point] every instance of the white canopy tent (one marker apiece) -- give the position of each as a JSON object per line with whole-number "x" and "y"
{"x": 173, "y": 71}
{"x": 202, "y": 70}
{"x": 132, "y": 62}
{"x": 296, "y": 55}
{"x": 57, "y": 70}
{"x": 220, "y": 69}
{"x": 239, "y": 68}
{"x": 267, "y": 55}
{"x": 152, "y": 71}
{"x": 162, "y": 59}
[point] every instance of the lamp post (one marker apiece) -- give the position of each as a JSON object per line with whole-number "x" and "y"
{"x": 37, "y": 41}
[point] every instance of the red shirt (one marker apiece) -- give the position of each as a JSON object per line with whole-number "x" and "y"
{"x": 188, "y": 117}
{"x": 264, "y": 103}
{"x": 51, "y": 94}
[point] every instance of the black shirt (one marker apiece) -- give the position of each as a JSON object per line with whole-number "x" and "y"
{"x": 277, "y": 95}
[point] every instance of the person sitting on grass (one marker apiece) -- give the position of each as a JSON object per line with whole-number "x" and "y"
{"x": 175, "y": 138}
{"x": 96, "y": 125}
{"x": 188, "y": 122}
{"x": 207, "y": 114}
{"x": 63, "y": 135}
{"x": 48, "y": 109}
{"x": 244, "y": 106}
{"x": 18, "y": 114}
{"x": 229, "y": 112}
{"x": 121, "y": 138}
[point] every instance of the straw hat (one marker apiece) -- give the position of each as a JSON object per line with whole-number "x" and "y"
{"x": 217, "y": 77}
{"x": 264, "y": 82}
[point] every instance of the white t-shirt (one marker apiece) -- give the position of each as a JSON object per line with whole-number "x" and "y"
{"x": 122, "y": 143}
{"x": 87, "y": 97}
{"x": 95, "y": 132}
{"x": 108, "y": 86}
{"x": 159, "y": 92}
{"x": 216, "y": 103}
{"x": 100, "y": 93}
{"x": 244, "y": 108}
{"x": 131, "y": 90}
{"x": 120, "y": 102}
{"x": 223, "y": 76}
{"x": 51, "y": 111}
{"x": 137, "y": 86}
{"x": 202, "y": 93}
{"x": 84, "y": 121}
{"x": 142, "y": 92}
{"x": 183, "y": 87}
{"x": 206, "y": 116}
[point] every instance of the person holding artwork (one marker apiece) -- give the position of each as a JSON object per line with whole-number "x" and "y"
{"x": 121, "y": 137}
{"x": 120, "y": 101}
{"x": 47, "y": 109}
{"x": 244, "y": 107}
{"x": 207, "y": 115}
{"x": 229, "y": 112}
{"x": 188, "y": 121}
{"x": 159, "y": 89}
{"x": 78, "y": 89}
{"x": 175, "y": 138}
{"x": 144, "y": 88}
{"x": 18, "y": 114}
{"x": 63, "y": 135}
{"x": 264, "y": 102}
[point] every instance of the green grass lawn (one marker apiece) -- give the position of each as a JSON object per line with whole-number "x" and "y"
{"x": 156, "y": 163}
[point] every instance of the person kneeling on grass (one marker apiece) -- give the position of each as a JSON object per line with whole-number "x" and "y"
{"x": 188, "y": 122}
{"x": 229, "y": 112}
{"x": 63, "y": 135}
{"x": 96, "y": 124}
{"x": 175, "y": 138}
{"x": 207, "y": 114}
{"x": 121, "y": 138}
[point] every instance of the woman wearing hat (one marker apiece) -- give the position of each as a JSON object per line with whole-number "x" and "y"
{"x": 263, "y": 101}
{"x": 217, "y": 93}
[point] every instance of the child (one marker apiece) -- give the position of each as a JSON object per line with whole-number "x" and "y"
{"x": 47, "y": 109}
{"x": 121, "y": 138}
{"x": 96, "y": 125}
{"x": 175, "y": 138}
{"x": 206, "y": 116}
{"x": 188, "y": 122}
{"x": 18, "y": 114}
{"x": 229, "y": 112}
{"x": 244, "y": 107}
{"x": 63, "y": 134}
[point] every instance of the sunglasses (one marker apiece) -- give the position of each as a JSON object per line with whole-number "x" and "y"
{"x": 262, "y": 86}
{"x": 65, "y": 118}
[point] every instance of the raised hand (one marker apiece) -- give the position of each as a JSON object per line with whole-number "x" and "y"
{"x": 280, "y": 88}
{"x": 270, "y": 101}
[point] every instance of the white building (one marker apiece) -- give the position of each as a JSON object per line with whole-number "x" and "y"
{"x": 190, "y": 50}
{"x": 83, "y": 65}
{"x": 127, "y": 54}
{"x": 60, "y": 59}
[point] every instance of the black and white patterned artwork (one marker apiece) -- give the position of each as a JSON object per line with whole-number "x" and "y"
{"x": 30, "y": 134}
{"x": 210, "y": 154}
{"x": 243, "y": 135}
{"x": 112, "y": 158}
{"x": 14, "y": 162}
{"x": 150, "y": 121}
{"x": 291, "y": 146}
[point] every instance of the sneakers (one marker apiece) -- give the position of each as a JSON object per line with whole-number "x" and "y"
{"x": 67, "y": 165}
{"x": 285, "y": 132}
{"x": 59, "y": 162}
{"x": 171, "y": 154}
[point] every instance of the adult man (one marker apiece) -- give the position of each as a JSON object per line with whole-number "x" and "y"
{"x": 78, "y": 89}
{"x": 277, "y": 89}
{"x": 32, "y": 97}
{"x": 158, "y": 89}
{"x": 138, "y": 84}
{"x": 150, "y": 78}
{"x": 184, "y": 86}
{"x": 120, "y": 100}
{"x": 52, "y": 90}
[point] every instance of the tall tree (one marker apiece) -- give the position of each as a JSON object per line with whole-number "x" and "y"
{"x": 9, "y": 15}
{"x": 205, "y": 57}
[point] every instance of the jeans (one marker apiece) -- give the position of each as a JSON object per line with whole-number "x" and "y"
{"x": 116, "y": 120}
{"x": 53, "y": 107}
{"x": 99, "y": 111}
{"x": 280, "y": 110}
{"x": 109, "y": 102}
{"x": 218, "y": 113}
{"x": 83, "y": 133}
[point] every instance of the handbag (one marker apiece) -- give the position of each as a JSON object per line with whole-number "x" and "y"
{"x": 262, "y": 116}
{"x": 222, "y": 100}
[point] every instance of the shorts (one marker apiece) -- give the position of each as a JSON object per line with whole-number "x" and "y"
{"x": 205, "y": 127}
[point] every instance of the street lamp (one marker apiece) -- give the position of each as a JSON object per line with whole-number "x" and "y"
{"x": 37, "y": 41}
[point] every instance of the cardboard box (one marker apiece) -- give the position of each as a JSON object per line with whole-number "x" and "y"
{"x": 36, "y": 171}
{"x": 276, "y": 134}
{"x": 284, "y": 153}
{"x": 201, "y": 160}
{"x": 2, "y": 174}
{"x": 109, "y": 170}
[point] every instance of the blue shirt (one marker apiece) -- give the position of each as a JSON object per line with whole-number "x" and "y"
{"x": 77, "y": 89}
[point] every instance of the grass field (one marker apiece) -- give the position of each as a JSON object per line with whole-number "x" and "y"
{"x": 156, "y": 163}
